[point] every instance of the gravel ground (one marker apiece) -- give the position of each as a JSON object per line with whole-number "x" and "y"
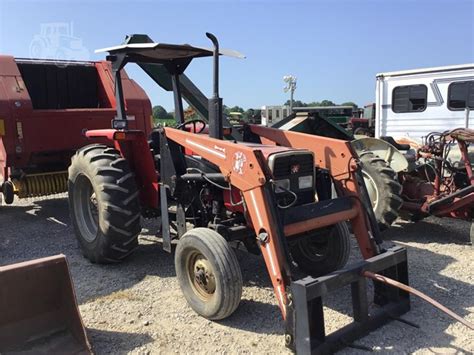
{"x": 137, "y": 306}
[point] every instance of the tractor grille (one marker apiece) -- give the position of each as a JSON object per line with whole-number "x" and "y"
{"x": 282, "y": 165}
{"x": 288, "y": 169}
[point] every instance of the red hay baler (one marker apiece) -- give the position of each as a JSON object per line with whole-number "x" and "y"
{"x": 45, "y": 106}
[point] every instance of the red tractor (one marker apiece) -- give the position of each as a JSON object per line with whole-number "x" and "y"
{"x": 275, "y": 196}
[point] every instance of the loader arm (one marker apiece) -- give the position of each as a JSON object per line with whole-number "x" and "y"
{"x": 340, "y": 159}
{"x": 253, "y": 183}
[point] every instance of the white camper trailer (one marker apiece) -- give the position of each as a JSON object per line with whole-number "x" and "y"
{"x": 413, "y": 103}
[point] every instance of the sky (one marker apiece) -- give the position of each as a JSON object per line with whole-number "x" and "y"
{"x": 335, "y": 48}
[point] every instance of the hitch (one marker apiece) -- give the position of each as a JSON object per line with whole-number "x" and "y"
{"x": 305, "y": 329}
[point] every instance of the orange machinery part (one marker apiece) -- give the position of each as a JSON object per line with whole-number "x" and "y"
{"x": 241, "y": 166}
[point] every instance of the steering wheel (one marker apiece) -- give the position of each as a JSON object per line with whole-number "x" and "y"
{"x": 193, "y": 122}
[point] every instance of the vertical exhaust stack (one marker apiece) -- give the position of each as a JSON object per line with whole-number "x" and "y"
{"x": 215, "y": 102}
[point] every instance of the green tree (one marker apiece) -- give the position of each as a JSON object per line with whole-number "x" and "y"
{"x": 327, "y": 103}
{"x": 160, "y": 113}
{"x": 236, "y": 109}
{"x": 296, "y": 103}
{"x": 251, "y": 115}
{"x": 190, "y": 114}
{"x": 161, "y": 117}
{"x": 350, "y": 103}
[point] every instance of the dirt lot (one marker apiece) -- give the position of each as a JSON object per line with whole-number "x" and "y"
{"x": 137, "y": 306}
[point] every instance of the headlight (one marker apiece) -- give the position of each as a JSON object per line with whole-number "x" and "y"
{"x": 305, "y": 182}
{"x": 282, "y": 185}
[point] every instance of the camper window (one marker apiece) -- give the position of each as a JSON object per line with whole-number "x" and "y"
{"x": 411, "y": 98}
{"x": 461, "y": 95}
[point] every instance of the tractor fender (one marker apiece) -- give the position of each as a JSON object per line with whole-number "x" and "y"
{"x": 384, "y": 150}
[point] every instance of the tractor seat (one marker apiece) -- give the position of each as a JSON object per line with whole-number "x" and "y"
{"x": 192, "y": 161}
{"x": 392, "y": 141}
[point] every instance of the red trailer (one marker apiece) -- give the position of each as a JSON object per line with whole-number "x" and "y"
{"x": 45, "y": 106}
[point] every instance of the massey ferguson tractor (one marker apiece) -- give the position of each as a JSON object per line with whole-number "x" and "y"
{"x": 276, "y": 197}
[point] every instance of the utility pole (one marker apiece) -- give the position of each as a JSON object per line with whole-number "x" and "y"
{"x": 290, "y": 81}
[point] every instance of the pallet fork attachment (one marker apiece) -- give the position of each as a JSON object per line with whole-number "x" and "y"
{"x": 305, "y": 330}
{"x": 38, "y": 309}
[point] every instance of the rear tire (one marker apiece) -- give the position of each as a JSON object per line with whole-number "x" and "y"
{"x": 362, "y": 131}
{"x": 104, "y": 204}
{"x": 208, "y": 273}
{"x": 383, "y": 188}
{"x": 322, "y": 251}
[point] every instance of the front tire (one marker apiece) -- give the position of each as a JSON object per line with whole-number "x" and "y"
{"x": 322, "y": 251}
{"x": 208, "y": 273}
{"x": 104, "y": 204}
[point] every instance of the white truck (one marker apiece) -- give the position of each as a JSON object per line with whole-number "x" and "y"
{"x": 413, "y": 103}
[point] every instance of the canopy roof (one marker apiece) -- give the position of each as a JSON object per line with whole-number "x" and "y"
{"x": 163, "y": 52}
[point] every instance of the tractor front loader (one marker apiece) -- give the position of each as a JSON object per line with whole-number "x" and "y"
{"x": 276, "y": 198}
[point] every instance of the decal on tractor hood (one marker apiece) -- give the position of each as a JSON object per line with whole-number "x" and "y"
{"x": 207, "y": 149}
{"x": 239, "y": 162}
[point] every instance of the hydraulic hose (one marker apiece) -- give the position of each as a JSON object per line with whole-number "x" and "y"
{"x": 391, "y": 282}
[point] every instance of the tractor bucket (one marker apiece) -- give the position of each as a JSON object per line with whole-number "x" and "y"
{"x": 38, "y": 309}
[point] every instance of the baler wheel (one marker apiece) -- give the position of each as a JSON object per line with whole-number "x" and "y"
{"x": 322, "y": 251}
{"x": 208, "y": 273}
{"x": 104, "y": 204}
{"x": 383, "y": 188}
{"x": 8, "y": 192}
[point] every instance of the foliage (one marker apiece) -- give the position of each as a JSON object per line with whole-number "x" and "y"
{"x": 327, "y": 103}
{"x": 165, "y": 123}
{"x": 251, "y": 114}
{"x": 350, "y": 103}
{"x": 161, "y": 117}
{"x": 160, "y": 113}
{"x": 298, "y": 103}
{"x": 190, "y": 114}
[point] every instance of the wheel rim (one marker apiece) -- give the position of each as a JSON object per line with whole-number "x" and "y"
{"x": 315, "y": 248}
{"x": 371, "y": 189}
{"x": 201, "y": 275}
{"x": 86, "y": 208}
